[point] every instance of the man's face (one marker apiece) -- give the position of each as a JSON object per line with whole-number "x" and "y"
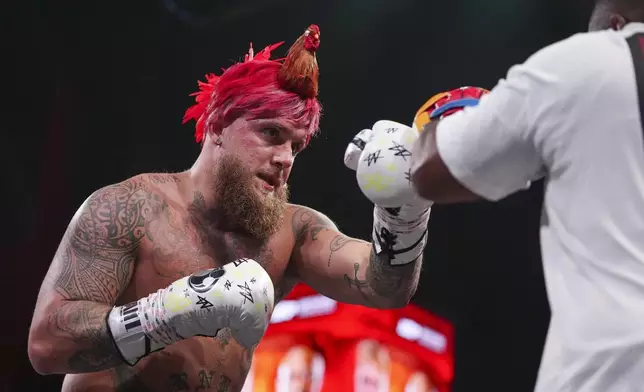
{"x": 256, "y": 161}
{"x": 267, "y": 147}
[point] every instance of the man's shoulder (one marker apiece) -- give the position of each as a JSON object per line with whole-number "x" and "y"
{"x": 148, "y": 181}
{"x": 148, "y": 187}
{"x": 586, "y": 42}
{"x": 120, "y": 210}
{"x": 292, "y": 208}
{"x": 578, "y": 56}
{"x": 557, "y": 75}
{"x": 161, "y": 178}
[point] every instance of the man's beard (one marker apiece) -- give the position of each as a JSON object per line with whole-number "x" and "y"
{"x": 242, "y": 206}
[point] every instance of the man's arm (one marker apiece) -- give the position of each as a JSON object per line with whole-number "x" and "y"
{"x": 517, "y": 130}
{"x": 90, "y": 270}
{"x": 431, "y": 177}
{"x": 486, "y": 152}
{"x": 345, "y": 268}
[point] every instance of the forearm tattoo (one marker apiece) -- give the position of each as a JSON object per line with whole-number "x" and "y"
{"x": 397, "y": 283}
{"x": 377, "y": 281}
{"x": 94, "y": 265}
{"x": 382, "y": 282}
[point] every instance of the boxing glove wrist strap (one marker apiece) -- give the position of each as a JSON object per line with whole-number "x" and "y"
{"x": 141, "y": 328}
{"x": 400, "y": 234}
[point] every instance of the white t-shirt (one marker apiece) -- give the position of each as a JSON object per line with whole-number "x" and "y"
{"x": 571, "y": 113}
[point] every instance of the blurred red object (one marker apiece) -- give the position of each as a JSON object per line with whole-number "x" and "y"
{"x": 317, "y": 344}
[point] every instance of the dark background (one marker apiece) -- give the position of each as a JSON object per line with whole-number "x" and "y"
{"x": 94, "y": 92}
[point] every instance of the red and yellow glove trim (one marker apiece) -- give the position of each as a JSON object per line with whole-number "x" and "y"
{"x": 447, "y": 103}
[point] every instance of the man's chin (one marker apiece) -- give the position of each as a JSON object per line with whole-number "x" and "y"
{"x": 264, "y": 195}
{"x": 265, "y": 219}
{"x": 248, "y": 202}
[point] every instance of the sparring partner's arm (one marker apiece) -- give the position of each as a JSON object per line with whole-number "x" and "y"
{"x": 497, "y": 148}
{"x": 90, "y": 270}
{"x": 348, "y": 269}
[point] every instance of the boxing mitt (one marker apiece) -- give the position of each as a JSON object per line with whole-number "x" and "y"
{"x": 447, "y": 103}
{"x": 239, "y": 296}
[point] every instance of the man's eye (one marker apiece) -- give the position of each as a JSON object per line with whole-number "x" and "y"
{"x": 271, "y": 132}
{"x": 297, "y": 147}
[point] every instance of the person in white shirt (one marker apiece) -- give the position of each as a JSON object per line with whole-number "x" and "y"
{"x": 571, "y": 114}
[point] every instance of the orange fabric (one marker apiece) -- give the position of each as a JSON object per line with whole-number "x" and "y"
{"x": 284, "y": 363}
{"x": 422, "y": 115}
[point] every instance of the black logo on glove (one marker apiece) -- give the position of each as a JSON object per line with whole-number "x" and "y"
{"x": 203, "y": 281}
{"x": 205, "y": 304}
{"x": 246, "y": 293}
{"x": 240, "y": 262}
{"x": 372, "y": 158}
{"x": 408, "y": 176}
{"x": 400, "y": 150}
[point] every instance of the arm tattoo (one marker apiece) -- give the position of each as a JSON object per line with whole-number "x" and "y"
{"x": 84, "y": 323}
{"x": 163, "y": 178}
{"x": 360, "y": 285}
{"x": 381, "y": 283}
{"x": 307, "y": 223}
{"x": 126, "y": 379}
{"x": 94, "y": 265}
{"x": 388, "y": 283}
{"x": 98, "y": 249}
{"x": 179, "y": 382}
{"x": 393, "y": 282}
{"x": 338, "y": 242}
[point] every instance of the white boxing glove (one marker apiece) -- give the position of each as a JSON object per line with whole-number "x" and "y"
{"x": 239, "y": 296}
{"x": 381, "y": 157}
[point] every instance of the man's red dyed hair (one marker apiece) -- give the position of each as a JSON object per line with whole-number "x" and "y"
{"x": 262, "y": 88}
{"x": 251, "y": 90}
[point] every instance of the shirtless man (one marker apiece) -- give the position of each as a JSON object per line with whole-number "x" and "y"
{"x": 165, "y": 282}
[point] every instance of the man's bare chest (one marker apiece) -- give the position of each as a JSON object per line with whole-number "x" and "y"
{"x": 175, "y": 247}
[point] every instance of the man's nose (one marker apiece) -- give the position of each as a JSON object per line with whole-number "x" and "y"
{"x": 283, "y": 157}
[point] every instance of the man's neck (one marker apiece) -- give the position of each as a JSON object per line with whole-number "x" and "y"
{"x": 226, "y": 241}
{"x": 203, "y": 206}
{"x": 203, "y": 183}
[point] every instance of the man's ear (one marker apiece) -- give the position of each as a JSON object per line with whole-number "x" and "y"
{"x": 214, "y": 130}
{"x": 617, "y": 22}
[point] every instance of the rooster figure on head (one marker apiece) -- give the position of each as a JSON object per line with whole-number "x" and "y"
{"x": 298, "y": 73}
{"x": 300, "y": 70}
